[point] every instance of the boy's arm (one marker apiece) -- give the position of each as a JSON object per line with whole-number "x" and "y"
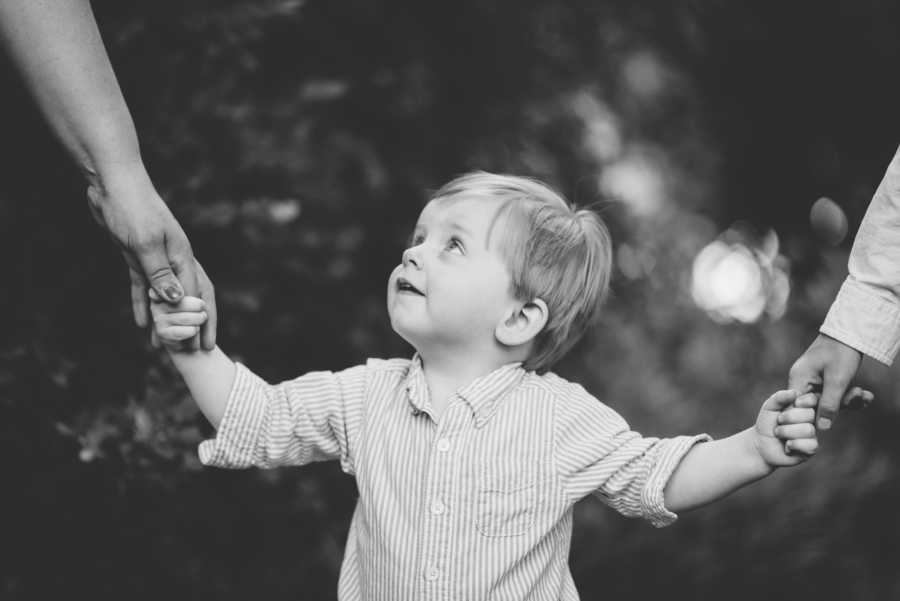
{"x": 784, "y": 435}
{"x": 314, "y": 417}
{"x": 713, "y": 470}
{"x": 597, "y": 453}
{"x": 209, "y": 375}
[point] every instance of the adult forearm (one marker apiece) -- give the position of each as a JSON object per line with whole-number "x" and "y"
{"x": 209, "y": 376}
{"x": 58, "y": 49}
{"x": 866, "y": 313}
{"x": 713, "y": 470}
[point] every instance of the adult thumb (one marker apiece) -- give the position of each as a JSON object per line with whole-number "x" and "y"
{"x": 830, "y": 401}
{"x": 159, "y": 274}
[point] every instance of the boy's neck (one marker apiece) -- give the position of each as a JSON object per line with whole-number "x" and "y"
{"x": 446, "y": 373}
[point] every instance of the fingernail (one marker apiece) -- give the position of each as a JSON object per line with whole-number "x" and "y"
{"x": 824, "y": 423}
{"x": 172, "y": 292}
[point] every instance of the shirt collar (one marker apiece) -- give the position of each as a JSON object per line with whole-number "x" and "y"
{"x": 416, "y": 386}
{"x": 483, "y": 394}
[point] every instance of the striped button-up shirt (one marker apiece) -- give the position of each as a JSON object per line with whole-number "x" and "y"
{"x": 475, "y": 505}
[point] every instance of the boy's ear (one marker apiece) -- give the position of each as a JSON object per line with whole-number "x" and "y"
{"x": 523, "y": 323}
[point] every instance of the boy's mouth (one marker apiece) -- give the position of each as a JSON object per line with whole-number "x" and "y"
{"x": 404, "y": 285}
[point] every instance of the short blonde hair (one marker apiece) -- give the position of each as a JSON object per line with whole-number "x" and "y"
{"x": 554, "y": 251}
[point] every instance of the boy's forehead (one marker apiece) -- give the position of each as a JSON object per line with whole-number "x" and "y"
{"x": 473, "y": 209}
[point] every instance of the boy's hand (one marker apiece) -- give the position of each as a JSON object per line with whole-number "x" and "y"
{"x": 785, "y": 428}
{"x": 175, "y": 324}
{"x": 785, "y": 434}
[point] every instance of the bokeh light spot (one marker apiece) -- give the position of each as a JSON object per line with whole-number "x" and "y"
{"x": 636, "y": 182}
{"x": 740, "y": 280}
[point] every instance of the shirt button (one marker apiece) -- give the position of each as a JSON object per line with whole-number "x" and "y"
{"x": 438, "y": 507}
{"x": 431, "y": 573}
{"x": 443, "y": 445}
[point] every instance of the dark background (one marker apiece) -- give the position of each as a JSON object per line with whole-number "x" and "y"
{"x": 296, "y": 142}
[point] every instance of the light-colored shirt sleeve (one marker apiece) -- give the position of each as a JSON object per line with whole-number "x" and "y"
{"x": 314, "y": 417}
{"x": 598, "y": 453}
{"x": 866, "y": 312}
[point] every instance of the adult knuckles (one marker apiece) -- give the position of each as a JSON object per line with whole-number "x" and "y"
{"x": 148, "y": 242}
{"x": 161, "y": 274}
{"x": 181, "y": 254}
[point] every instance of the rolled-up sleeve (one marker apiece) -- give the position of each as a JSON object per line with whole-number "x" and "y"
{"x": 866, "y": 312}
{"x": 312, "y": 418}
{"x": 597, "y": 453}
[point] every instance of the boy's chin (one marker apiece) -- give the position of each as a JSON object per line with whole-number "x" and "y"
{"x": 404, "y": 333}
{"x": 420, "y": 341}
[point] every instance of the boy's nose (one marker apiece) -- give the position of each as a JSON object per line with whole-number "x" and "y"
{"x": 411, "y": 255}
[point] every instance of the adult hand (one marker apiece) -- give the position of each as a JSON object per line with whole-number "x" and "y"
{"x": 830, "y": 364}
{"x": 57, "y": 47}
{"x": 155, "y": 247}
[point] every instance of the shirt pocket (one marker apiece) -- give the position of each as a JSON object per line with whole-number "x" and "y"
{"x": 507, "y": 499}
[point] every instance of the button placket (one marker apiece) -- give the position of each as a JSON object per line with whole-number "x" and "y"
{"x": 439, "y": 478}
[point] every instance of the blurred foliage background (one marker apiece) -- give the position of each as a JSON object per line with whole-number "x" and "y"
{"x": 296, "y": 142}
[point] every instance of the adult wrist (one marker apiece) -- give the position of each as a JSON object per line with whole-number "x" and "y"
{"x": 119, "y": 180}
{"x": 107, "y": 146}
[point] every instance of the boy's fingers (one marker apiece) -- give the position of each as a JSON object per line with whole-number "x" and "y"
{"x": 794, "y": 431}
{"x": 193, "y": 318}
{"x": 187, "y": 303}
{"x": 780, "y": 400}
{"x": 178, "y": 333}
{"x": 192, "y": 303}
{"x": 809, "y": 399}
{"x": 796, "y": 415}
{"x": 807, "y": 446}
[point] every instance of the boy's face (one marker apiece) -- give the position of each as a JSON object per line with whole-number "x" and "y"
{"x": 451, "y": 289}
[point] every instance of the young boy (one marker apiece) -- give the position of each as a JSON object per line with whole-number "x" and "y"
{"x": 469, "y": 457}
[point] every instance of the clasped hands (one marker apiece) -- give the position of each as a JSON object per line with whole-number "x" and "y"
{"x": 155, "y": 247}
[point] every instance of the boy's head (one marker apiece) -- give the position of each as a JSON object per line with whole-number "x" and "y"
{"x": 505, "y": 260}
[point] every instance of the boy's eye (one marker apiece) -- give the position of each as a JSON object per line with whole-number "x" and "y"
{"x": 416, "y": 240}
{"x": 455, "y": 245}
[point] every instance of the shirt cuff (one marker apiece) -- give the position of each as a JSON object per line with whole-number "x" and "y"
{"x": 864, "y": 320}
{"x": 652, "y": 497}
{"x": 235, "y": 441}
